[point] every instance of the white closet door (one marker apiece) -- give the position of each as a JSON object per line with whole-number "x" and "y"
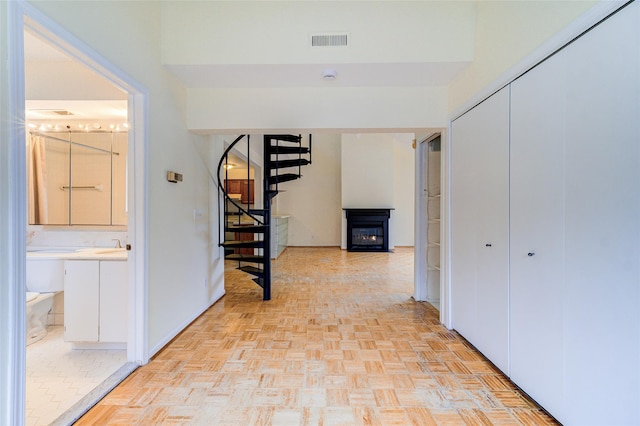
{"x": 479, "y": 196}
{"x": 602, "y": 286}
{"x": 537, "y": 197}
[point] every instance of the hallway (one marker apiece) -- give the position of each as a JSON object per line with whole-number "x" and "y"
{"x": 341, "y": 343}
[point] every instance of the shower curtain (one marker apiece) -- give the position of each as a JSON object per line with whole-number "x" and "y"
{"x": 37, "y": 182}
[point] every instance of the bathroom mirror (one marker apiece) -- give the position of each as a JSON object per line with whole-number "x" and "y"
{"x": 77, "y": 178}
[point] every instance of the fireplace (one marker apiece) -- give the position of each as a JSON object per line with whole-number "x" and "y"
{"x": 368, "y": 229}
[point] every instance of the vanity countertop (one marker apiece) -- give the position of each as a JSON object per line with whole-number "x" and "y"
{"x": 77, "y": 253}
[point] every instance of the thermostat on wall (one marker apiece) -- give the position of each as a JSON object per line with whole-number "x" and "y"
{"x": 174, "y": 177}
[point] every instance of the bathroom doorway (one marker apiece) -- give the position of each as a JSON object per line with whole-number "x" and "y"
{"x": 109, "y": 105}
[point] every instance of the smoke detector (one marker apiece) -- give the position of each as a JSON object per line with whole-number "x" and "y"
{"x": 329, "y": 74}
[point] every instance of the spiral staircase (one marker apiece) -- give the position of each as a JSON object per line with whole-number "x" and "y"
{"x": 283, "y": 159}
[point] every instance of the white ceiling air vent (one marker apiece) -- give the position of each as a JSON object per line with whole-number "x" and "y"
{"x": 47, "y": 111}
{"x": 329, "y": 39}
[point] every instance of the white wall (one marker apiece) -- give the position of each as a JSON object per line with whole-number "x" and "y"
{"x": 505, "y": 33}
{"x": 128, "y": 35}
{"x": 241, "y": 173}
{"x": 314, "y": 202}
{"x": 374, "y": 169}
{"x": 275, "y": 32}
{"x": 404, "y": 189}
{"x": 311, "y": 108}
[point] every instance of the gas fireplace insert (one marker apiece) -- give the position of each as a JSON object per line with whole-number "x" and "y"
{"x": 368, "y": 229}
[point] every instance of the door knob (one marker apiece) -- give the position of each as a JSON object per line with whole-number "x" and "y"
{"x": 531, "y": 254}
{"x": 488, "y": 245}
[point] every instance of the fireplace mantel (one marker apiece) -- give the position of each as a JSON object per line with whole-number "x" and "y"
{"x": 368, "y": 229}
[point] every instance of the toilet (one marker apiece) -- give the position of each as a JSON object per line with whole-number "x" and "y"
{"x": 38, "y": 306}
{"x": 45, "y": 278}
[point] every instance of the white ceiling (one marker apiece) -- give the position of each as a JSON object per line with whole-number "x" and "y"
{"x": 38, "y": 50}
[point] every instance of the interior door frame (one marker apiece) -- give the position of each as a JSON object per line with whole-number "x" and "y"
{"x": 420, "y": 290}
{"x": 24, "y": 16}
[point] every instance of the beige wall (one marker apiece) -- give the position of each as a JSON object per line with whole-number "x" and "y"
{"x": 277, "y": 32}
{"x": 378, "y": 171}
{"x": 220, "y": 45}
{"x": 314, "y": 201}
{"x": 505, "y": 33}
{"x": 331, "y": 109}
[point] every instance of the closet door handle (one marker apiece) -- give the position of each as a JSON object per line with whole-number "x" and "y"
{"x": 530, "y": 254}
{"x": 488, "y": 245}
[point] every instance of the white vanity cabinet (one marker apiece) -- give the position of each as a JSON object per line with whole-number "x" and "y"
{"x": 81, "y": 300}
{"x": 113, "y": 301}
{"x": 95, "y": 301}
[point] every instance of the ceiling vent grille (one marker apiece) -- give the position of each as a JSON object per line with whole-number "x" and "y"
{"x": 47, "y": 111}
{"x": 330, "y": 40}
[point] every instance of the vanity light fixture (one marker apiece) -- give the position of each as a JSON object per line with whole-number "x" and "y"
{"x": 87, "y": 127}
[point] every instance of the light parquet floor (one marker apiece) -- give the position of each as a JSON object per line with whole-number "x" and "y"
{"x": 341, "y": 343}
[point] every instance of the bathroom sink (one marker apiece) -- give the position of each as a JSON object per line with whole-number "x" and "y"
{"x": 53, "y": 250}
{"x": 113, "y": 250}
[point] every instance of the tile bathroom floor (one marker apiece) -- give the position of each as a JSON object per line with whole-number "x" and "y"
{"x": 58, "y": 376}
{"x": 341, "y": 343}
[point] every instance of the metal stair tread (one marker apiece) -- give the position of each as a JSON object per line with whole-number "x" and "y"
{"x": 252, "y": 270}
{"x": 286, "y": 138}
{"x": 243, "y": 243}
{"x": 258, "y": 212}
{"x": 255, "y": 258}
{"x": 285, "y": 177}
{"x": 282, "y": 164}
{"x": 278, "y": 149}
{"x": 256, "y": 229}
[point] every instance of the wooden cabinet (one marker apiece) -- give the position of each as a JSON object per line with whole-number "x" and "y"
{"x": 244, "y": 187}
{"x": 247, "y": 192}
{"x": 95, "y": 301}
{"x": 233, "y": 186}
{"x": 479, "y": 226}
{"x": 245, "y": 236}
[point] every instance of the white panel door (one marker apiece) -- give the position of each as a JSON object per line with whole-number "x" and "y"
{"x": 113, "y": 301}
{"x": 479, "y": 225}
{"x": 602, "y": 287}
{"x": 537, "y": 198}
{"x": 81, "y": 298}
